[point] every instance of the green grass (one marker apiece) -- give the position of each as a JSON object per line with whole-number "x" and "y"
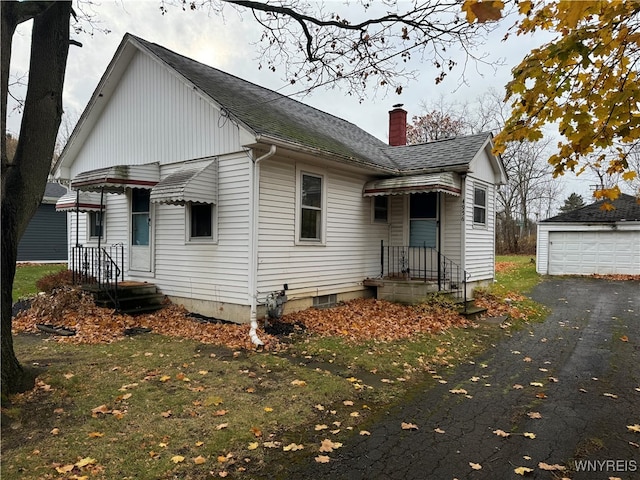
{"x": 520, "y": 275}
{"x": 24, "y": 284}
{"x": 177, "y": 398}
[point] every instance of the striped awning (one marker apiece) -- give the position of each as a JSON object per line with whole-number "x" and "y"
{"x": 79, "y": 201}
{"x": 116, "y": 178}
{"x": 446, "y": 182}
{"x": 195, "y": 182}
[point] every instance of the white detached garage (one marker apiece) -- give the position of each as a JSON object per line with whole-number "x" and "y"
{"x": 590, "y": 240}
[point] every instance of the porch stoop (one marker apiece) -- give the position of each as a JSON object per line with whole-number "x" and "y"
{"x": 133, "y": 297}
{"x": 470, "y": 310}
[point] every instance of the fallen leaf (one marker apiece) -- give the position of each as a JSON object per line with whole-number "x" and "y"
{"x": 101, "y": 409}
{"x": 222, "y": 426}
{"x": 502, "y": 433}
{"x": 220, "y": 413}
{"x": 55, "y": 431}
{"x": 319, "y": 407}
{"x": 199, "y": 444}
{"x": 322, "y": 459}
{"x": 534, "y": 415}
{"x": 541, "y": 395}
{"x": 69, "y": 376}
{"x": 610, "y": 395}
{"x": 458, "y": 391}
{"x": 348, "y": 403}
{"x": 409, "y": 426}
{"x": 550, "y": 468}
{"x": 523, "y": 470}
{"x": 85, "y": 461}
{"x": 177, "y": 459}
{"x": 634, "y": 428}
{"x": 527, "y": 359}
{"x": 536, "y": 384}
{"x": 320, "y": 427}
{"x": 268, "y": 409}
{"x": 365, "y": 432}
{"x": 624, "y": 338}
{"x": 256, "y": 431}
{"x": 96, "y": 434}
{"x": 475, "y": 466}
{"x": 529, "y": 435}
{"x": 298, "y": 383}
{"x": 253, "y": 445}
{"x": 199, "y": 460}
{"x": 328, "y": 446}
{"x": 271, "y": 444}
{"x": 203, "y": 372}
{"x": 165, "y": 378}
{"x": 65, "y": 468}
{"x": 213, "y": 400}
{"x": 354, "y": 414}
{"x": 58, "y": 411}
{"x": 517, "y": 386}
{"x": 292, "y": 447}
{"x": 166, "y": 414}
{"x": 438, "y": 430}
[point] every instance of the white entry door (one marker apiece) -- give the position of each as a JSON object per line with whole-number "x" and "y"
{"x": 141, "y": 234}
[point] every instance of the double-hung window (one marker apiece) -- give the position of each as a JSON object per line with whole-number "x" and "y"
{"x": 480, "y": 206}
{"x": 311, "y": 204}
{"x": 96, "y": 225}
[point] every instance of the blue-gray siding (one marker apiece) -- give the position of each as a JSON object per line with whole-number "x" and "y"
{"x": 46, "y": 236}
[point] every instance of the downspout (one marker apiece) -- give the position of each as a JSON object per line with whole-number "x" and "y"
{"x": 463, "y": 235}
{"x": 253, "y": 244}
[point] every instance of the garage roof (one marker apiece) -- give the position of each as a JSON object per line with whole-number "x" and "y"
{"x": 626, "y": 208}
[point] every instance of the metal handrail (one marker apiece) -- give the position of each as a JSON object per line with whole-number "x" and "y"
{"x": 96, "y": 266}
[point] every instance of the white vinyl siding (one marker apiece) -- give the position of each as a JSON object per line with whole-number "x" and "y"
{"x": 350, "y": 252}
{"x": 153, "y": 116}
{"x": 581, "y": 249}
{"x": 452, "y": 214}
{"x": 207, "y": 270}
{"x": 479, "y": 239}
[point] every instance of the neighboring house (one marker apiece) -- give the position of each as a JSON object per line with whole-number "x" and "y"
{"x": 592, "y": 240}
{"x": 222, "y": 192}
{"x": 45, "y": 239}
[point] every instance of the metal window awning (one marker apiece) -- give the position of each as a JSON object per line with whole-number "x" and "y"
{"x": 195, "y": 182}
{"x": 445, "y": 182}
{"x": 116, "y": 178}
{"x": 79, "y": 201}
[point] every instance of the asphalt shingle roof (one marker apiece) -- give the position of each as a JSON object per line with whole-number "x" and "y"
{"x": 626, "y": 206}
{"x": 54, "y": 190}
{"x": 266, "y": 112}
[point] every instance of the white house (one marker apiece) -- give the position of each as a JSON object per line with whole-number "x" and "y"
{"x": 592, "y": 240}
{"x": 220, "y": 192}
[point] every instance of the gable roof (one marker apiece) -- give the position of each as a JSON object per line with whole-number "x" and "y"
{"x": 626, "y": 206}
{"x": 275, "y": 118}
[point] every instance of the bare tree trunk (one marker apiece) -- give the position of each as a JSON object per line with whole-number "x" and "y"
{"x": 25, "y": 177}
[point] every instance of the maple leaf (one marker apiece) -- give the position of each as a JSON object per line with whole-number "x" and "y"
{"x": 256, "y": 431}
{"x": 408, "y": 426}
{"x": 634, "y": 428}
{"x": 328, "y": 446}
{"x": 534, "y": 415}
{"x": 177, "y": 459}
{"x": 475, "y": 466}
{"x": 101, "y": 409}
{"x": 65, "y": 468}
{"x": 165, "y": 378}
{"x": 322, "y": 459}
{"x": 253, "y": 445}
{"x": 213, "y": 400}
{"x": 199, "y": 460}
{"x": 523, "y": 470}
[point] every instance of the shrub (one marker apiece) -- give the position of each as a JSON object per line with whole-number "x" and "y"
{"x": 50, "y": 282}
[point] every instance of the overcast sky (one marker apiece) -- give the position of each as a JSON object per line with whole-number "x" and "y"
{"x": 226, "y": 44}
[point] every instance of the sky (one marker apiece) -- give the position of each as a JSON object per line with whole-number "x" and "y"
{"x": 226, "y": 43}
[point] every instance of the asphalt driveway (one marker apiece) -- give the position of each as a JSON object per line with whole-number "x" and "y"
{"x": 565, "y": 391}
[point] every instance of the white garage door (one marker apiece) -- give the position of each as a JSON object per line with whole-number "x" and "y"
{"x": 585, "y": 253}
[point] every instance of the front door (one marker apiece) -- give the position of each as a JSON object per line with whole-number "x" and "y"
{"x": 423, "y": 220}
{"x": 141, "y": 235}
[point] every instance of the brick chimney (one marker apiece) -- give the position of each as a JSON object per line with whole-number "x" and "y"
{"x": 397, "y": 126}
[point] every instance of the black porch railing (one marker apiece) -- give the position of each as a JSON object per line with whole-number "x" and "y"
{"x": 425, "y": 264}
{"x": 102, "y": 267}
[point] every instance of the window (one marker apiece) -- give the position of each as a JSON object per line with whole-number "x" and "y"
{"x": 140, "y": 218}
{"x": 480, "y": 206}
{"x": 201, "y": 221}
{"x": 311, "y": 207}
{"x": 423, "y": 224}
{"x": 96, "y": 225}
{"x": 381, "y": 209}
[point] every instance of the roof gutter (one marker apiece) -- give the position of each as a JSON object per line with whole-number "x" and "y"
{"x": 297, "y": 147}
{"x": 253, "y": 244}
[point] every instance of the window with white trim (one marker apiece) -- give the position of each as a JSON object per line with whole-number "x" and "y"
{"x": 381, "y": 209}
{"x": 480, "y": 206}
{"x": 311, "y": 206}
{"x": 96, "y": 225}
{"x": 200, "y": 222}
